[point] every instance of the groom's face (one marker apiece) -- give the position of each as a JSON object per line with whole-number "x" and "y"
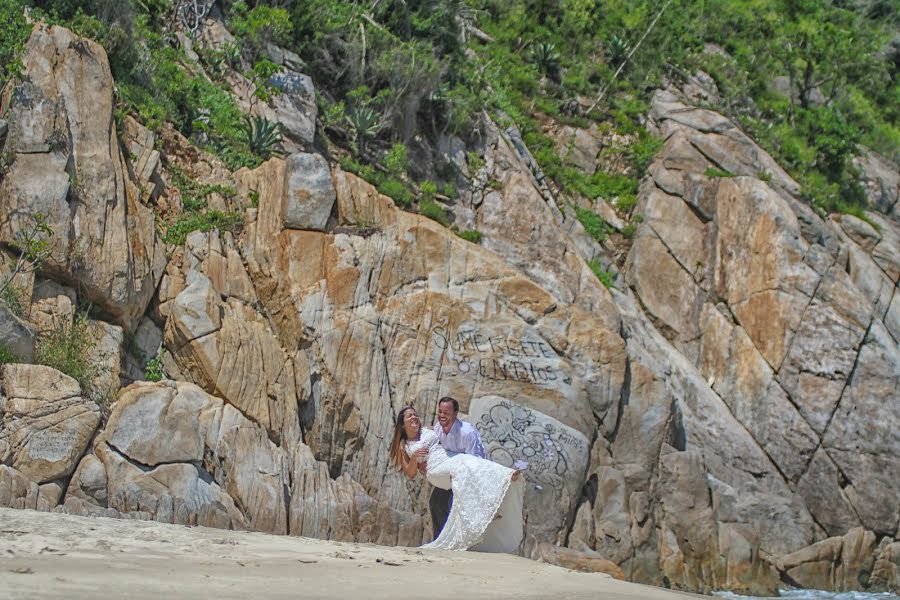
{"x": 446, "y": 416}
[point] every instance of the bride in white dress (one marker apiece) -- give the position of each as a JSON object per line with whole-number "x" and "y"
{"x": 486, "y": 513}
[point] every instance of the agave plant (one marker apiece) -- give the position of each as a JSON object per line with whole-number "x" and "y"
{"x": 617, "y": 50}
{"x": 547, "y": 59}
{"x": 262, "y": 135}
{"x": 365, "y": 124}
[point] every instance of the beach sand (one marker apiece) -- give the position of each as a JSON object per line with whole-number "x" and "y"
{"x": 61, "y": 556}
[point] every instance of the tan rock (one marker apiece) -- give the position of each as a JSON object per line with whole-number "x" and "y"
{"x": 68, "y": 165}
{"x": 557, "y": 457}
{"x": 822, "y": 487}
{"x": 107, "y": 359}
{"x": 17, "y": 490}
{"x": 824, "y": 348}
{"x": 340, "y": 509}
{"x": 886, "y": 570}
{"x": 863, "y": 436}
{"x": 144, "y": 346}
{"x": 46, "y": 423}
{"x": 887, "y": 251}
{"x": 16, "y": 336}
{"x": 747, "y": 384}
{"x": 838, "y": 563}
{"x": 173, "y": 431}
{"x": 52, "y": 306}
{"x": 881, "y": 181}
{"x": 89, "y": 482}
{"x": 668, "y": 291}
{"x": 585, "y": 562}
{"x": 144, "y": 158}
{"x": 579, "y": 147}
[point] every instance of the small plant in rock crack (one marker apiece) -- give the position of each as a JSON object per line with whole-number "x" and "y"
{"x": 154, "y": 369}
{"x": 35, "y": 245}
{"x": 69, "y": 348}
{"x": 606, "y": 278}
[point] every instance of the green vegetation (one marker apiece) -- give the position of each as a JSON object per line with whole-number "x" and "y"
{"x": 434, "y": 211}
{"x": 262, "y": 135}
{"x": 605, "y": 277}
{"x": 593, "y": 223}
{"x": 35, "y": 245}
{"x": 428, "y": 190}
{"x": 714, "y": 172}
{"x": 471, "y": 235}
{"x": 154, "y": 370}
{"x": 13, "y": 34}
{"x": 15, "y": 298}
{"x": 7, "y": 357}
{"x": 394, "y": 71}
{"x": 69, "y": 348}
{"x": 206, "y": 220}
{"x": 197, "y": 216}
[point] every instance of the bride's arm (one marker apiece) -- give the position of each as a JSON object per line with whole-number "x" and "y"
{"x": 409, "y": 467}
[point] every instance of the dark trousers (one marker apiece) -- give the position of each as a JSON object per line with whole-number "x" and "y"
{"x": 439, "y": 504}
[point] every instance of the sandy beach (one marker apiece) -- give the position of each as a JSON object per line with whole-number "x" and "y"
{"x": 61, "y": 556}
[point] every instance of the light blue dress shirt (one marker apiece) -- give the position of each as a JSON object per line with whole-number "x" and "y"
{"x": 463, "y": 438}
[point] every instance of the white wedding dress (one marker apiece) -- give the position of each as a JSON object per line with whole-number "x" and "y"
{"x": 482, "y": 491}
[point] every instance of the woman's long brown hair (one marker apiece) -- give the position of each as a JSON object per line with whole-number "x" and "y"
{"x": 397, "y": 452}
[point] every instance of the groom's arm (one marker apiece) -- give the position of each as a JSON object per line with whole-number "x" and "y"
{"x": 472, "y": 442}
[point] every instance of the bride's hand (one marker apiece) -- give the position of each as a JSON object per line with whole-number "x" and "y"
{"x": 420, "y": 453}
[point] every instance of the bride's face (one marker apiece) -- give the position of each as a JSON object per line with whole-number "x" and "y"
{"x": 411, "y": 423}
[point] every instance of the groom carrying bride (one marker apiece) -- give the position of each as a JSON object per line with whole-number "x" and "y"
{"x": 457, "y": 437}
{"x": 486, "y": 512}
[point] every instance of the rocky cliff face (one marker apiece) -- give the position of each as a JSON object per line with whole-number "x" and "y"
{"x": 726, "y": 416}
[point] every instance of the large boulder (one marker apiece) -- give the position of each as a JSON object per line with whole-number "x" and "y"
{"x": 788, "y": 317}
{"x": 557, "y": 457}
{"x": 46, "y": 424}
{"x": 175, "y": 454}
{"x": 67, "y": 165}
{"x": 310, "y": 195}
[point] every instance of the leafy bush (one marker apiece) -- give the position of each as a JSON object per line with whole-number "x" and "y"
{"x": 547, "y": 59}
{"x": 13, "y": 34}
{"x": 644, "y": 150}
{"x": 260, "y": 26}
{"x": 474, "y": 162}
{"x": 434, "y": 211}
{"x": 397, "y": 190}
{"x": 396, "y": 160}
{"x": 35, "y": 245}
{"x": 471, "y": 235}
{"x": 428, "y": 190}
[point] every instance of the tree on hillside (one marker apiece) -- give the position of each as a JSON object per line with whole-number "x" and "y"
{"x": 822, "y": 48}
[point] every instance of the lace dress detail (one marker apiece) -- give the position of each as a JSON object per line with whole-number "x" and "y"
{"x": 481, "y": 489}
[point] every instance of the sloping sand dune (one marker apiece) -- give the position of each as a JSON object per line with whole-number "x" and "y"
{"x": 60, "y": 556}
